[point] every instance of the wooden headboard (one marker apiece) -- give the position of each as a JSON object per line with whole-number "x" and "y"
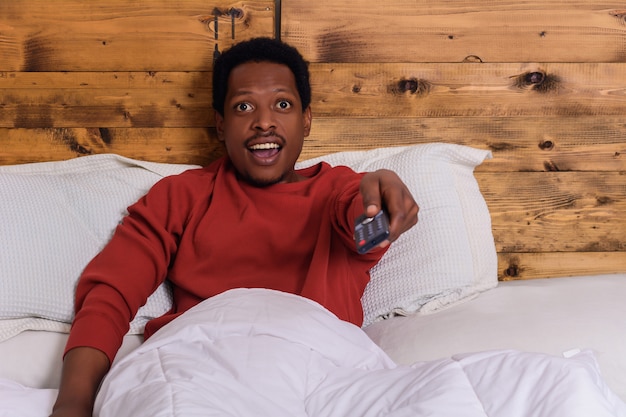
{"x": 542, "y": 84}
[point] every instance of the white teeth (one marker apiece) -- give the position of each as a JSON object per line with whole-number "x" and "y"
{"x": 261, "y": 146}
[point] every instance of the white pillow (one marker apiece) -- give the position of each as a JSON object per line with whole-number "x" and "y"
{"x": 450, "y": 254}
{"x": 56, "y": 216}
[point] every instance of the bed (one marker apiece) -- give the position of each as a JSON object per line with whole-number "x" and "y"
{"x": 506, "y": 299}
{"x": 433, "y": 304}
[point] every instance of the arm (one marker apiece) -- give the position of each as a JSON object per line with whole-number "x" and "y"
{"x": 83, "y": 370}
{"x": 107, "y": 299}
{"x": 384, "y": 188}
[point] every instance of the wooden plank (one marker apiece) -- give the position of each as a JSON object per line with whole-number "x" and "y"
{"x": 103, "y": 80}
{"x": 172, "y": 145}
{"x": 118, "y": 35}
{"x": 105, "y": 99}
{"x": 556, "y": 211}
{"x": 486, "y": 90}
{"x": 517, "y": 144}
{"x": 30, "y": 108}
{"x": 512, "y": 266}
{"x": 595, "y": 143}
{"x": 435, "y": 31}
{"x": 341, "y": 90}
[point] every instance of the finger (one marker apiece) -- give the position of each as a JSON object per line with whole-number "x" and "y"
{"x": 384, "y": 189}
{"x": 371, "y": 194}
{"x": 396, "y": 217}
{"x": 402, "y": 211}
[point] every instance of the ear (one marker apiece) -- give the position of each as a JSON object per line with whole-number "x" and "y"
{"x": 219, "y": 126}
{"x": 306, "y": 121}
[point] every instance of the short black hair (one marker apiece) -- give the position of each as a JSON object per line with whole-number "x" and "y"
{"x": 260, "y": 49}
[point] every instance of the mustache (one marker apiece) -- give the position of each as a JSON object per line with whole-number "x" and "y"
{"x": 265, "y": 136}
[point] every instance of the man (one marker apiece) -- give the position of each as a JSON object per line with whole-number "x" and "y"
{"x": 247, "y": 220}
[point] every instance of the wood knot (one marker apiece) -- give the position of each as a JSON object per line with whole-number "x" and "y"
{"x": 604, "y": 200}
{"x": 620, "y": 15}
{"x": 356, "y": 89}
{"x": 550, "y": 166}
{"x": 537, "y": 81}
{"x": 546, "y": 145}
{"x": 105, "y": 135}
{"x": 80, "y": 149}
{"x": 408, "y": 85}
{"x": 535, "y": 77}
{"x": 512, "y": 271}
{"x": 411, "y": 86}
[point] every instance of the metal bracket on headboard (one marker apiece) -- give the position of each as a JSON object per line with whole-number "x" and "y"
{"x": 233, "y": 12}
{"x": 277, "y": 18}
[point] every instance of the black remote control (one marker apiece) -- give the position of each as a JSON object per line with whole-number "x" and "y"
{"x": 369, "y": 232}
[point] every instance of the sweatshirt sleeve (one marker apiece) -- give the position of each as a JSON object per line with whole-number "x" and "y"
{"x": 118, "y": 281}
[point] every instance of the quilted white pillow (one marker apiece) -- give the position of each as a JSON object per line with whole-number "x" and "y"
{"x": 56, "y": 216}
{"x": 450, "y": 254}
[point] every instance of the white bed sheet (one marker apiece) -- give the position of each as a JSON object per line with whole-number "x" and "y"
{"x": 551, "y": 316}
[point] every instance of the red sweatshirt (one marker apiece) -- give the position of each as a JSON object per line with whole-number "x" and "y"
{"x": 208, "y": 232}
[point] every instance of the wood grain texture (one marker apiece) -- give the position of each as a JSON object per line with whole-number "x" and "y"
{"x": 120, "y": 35}
{"x": 443, "y": 31}
{"x": 445, "y": 90}
{"x": 106, "y": 108}
{"x": 341, "y": 90}
{"x": 105, "y": 99}
{"x": 514, "y": 266}
{"x": 590, "y": 143}
{"x": 173, "y": 145}
{"x": 556, "y": 211}
{"x": 542, "y": 85}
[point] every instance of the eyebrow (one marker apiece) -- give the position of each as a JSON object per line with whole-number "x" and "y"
{"x": 276, "y": 90}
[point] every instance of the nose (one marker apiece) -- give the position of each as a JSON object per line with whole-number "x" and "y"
{"x": 264, "y": 120}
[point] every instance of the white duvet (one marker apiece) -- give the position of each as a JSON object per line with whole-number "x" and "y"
{"x": 255, "y": 352}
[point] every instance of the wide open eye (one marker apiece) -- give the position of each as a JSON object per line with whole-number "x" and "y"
{"x": 283, "y": 104}
{"x": 243, "y": 107}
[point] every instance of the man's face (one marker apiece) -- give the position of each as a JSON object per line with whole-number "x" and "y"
{"x": 263, "y": 126}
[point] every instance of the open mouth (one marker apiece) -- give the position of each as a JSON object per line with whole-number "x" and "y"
{"x": 265, "y": 150}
